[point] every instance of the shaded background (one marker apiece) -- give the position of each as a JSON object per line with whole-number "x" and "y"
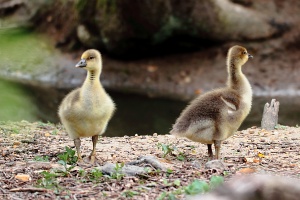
{"x": 157, "y": 55}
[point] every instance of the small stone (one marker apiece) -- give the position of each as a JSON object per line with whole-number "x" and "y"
{"x": 136, "y": 135}
{"x": 215, "y": 164}
{"x": 251, "y": 131}
{"x": 196, "y": 164}
{"x": 155, "y": 134}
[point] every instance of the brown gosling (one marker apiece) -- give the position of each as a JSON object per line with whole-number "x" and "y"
{"x": 85, "y": 111}
{"x": 216, "y": 115}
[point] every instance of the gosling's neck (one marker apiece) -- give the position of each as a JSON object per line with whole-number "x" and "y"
{"x": 92, "y": 83}
{"x": 92, "y": 77}
{"x": 236, "y": 79}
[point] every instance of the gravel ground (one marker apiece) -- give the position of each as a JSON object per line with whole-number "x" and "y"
{"x": 254, "y": 151}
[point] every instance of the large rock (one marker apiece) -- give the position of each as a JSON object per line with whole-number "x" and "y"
{"x": 134, "y": 28}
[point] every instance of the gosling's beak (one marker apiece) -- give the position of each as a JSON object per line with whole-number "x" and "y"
{"x": 250, "y": 56}
{"x": 81, "y": 63}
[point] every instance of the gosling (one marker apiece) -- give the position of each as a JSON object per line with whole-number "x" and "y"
{"x": 86, "y": 111}
{"x": 216, "y": 115}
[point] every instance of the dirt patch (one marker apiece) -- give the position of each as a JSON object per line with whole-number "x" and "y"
{"x": 22, "y": 144}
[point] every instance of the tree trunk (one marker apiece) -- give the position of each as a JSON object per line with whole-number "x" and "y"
{"x": 270, "y": 115}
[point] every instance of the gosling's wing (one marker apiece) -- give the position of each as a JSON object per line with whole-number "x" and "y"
{"x": 200, "y": 113}
{"x": 206, "y": 110}
{"x": 231, "y": 99}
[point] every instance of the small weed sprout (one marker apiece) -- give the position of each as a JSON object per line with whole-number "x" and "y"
{"x": 117, "y": 174}
{"x": 95, "y": 174}
{"x": 129, "y": 193}
{"x": 196, "y": 187}
{"x": 167, "y": 149}
{"x": 49, "y": 181}
{"x": 68, "y": 158}
{"x": 41, "y": 158}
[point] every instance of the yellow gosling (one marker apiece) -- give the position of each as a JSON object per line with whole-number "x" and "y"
{"x": 86, "y": 111}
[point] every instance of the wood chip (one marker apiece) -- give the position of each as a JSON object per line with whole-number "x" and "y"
{"x": 23, "y": 177}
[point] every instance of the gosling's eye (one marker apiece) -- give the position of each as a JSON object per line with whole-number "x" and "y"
{"x": 244, "y": 52}
{"x": 91, "y": 57}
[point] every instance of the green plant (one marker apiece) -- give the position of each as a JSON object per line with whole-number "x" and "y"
{"x": 49, "y": 181}
{"x": 129, "y": 193}
{"x": 169, "y": 171}
{"x": 95, "y": 174}
{"x": 16, "y": 130}
{"x": 181, "y": 156}
{"x": 117, "y": 174}
{"x": 67, "y": 158}
{"x": 54, "y": 132}
{"x": 215, "y": 181}
{"x": 41, "y": 158}
{"x": 196, "y": 187}
{"x": 165, "y": 195}
{"x": 167, "y": 149}
{"x": 82, "y": 173}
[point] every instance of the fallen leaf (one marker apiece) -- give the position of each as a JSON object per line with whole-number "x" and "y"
{"x": 47, "y": 134}
{"x": 23, "y": 177}
{"x": 152, "y": 68}
{"x": 194, "y": 152}
{"x": 198, "y": 91}
{"x": 17, "y": 143}
{"x": 260, "y": 155}
{"x": 246, "y": 171}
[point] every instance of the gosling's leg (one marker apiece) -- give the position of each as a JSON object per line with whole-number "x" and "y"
{"x": 210, "y": 153}
{"x": 93, "y": 154}
{"x": 217, "y": 144}
{"x": 77, "y": 143}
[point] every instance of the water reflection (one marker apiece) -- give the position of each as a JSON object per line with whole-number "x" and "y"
{"x": 16, "y": 103}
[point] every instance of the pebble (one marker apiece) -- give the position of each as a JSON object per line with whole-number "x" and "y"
{"x": 215, "y": 164}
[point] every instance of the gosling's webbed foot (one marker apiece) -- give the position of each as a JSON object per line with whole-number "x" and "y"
{"x": 91, "y": 159}
{"x": 84, "y": 164}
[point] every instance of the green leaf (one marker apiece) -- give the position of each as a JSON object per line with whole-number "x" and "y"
{"x": 177, "y": 182}
{"x": 162, "y": 196}
{"x": 196, "y": 187}
{"x": 62, "y": 162}
{"x": 215, "y": 181}
{"x": 42, "y": 158}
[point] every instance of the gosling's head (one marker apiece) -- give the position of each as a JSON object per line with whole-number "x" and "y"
{"x": 90, "y": 60}
{"x": 238, "y": 55}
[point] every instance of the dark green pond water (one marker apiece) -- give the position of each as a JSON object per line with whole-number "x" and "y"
{"x": 135, "y": 114}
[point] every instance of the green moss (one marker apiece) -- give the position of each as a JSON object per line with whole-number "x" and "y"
{"x": 167, "y": 29}
{"x": 24, "y": 51}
